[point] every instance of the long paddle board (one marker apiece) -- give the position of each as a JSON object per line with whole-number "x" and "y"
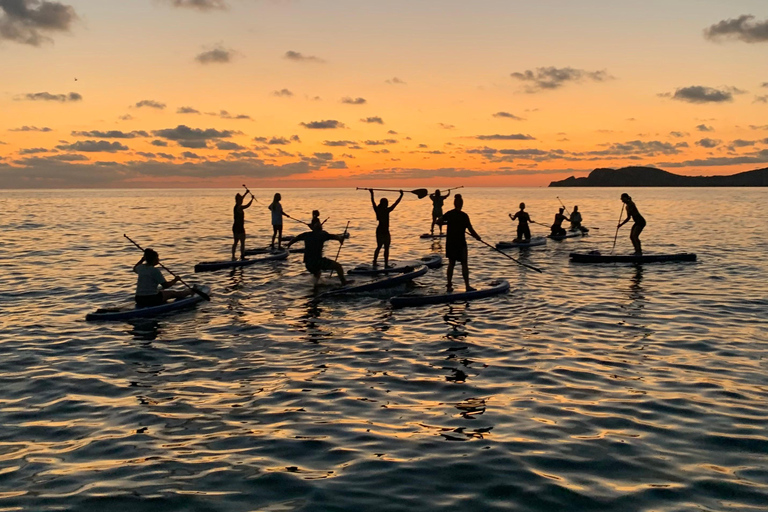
{"x": 207, "y": 266}
{"x": 129, "y": 310}
{"x": 493, "y": 288}
{"x": 533, "y": 242}
{"x": 377, "y": 284}
{"x": 596, "y": 257}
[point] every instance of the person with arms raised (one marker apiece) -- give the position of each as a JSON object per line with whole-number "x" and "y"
{"x": 437, "y": 209}
{"x": 238, "y": 227}
{"x": 383, "y": 238}
{"x": 523, "y": 230}
{"x": 455, "y": 241}
{"x": 150, "y": 278}
{"x": 314, "y": 260}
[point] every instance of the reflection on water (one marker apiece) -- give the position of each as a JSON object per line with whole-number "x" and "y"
{"x": 587, "y": 387}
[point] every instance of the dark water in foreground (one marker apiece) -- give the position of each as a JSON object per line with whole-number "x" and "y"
{"x": 613, "y": 388}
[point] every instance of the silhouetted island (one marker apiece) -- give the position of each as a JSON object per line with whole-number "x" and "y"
{"x": 653, "y": 177}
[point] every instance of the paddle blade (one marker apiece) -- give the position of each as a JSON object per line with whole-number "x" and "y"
{"x": 202, "y": 294}
{"x": 421, "y": 193}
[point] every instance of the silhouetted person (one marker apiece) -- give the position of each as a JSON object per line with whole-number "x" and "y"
{"x": 523, "y": 230}
{"x": 313, "y": 251}
{"x": 557, "y": 225}
{"x": 150, "y": 278}
{"x": 277, "y": 221}
{"x": 315, "y": 219}
{"x": 455, "y": 241}
{"x": 383, "y": 238}
{"x": 576, "y": 220}
{"x": 437, "y": 209}
{"x": 637, "y": 228}
{"x": 238, "y": 227}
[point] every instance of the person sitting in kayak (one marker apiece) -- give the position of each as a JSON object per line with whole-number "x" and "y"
{"x": 313, "y": 252}
{"x": 557, "y": 226}
{"x": 637, "y": 228}
{"x": 455, "y": 242}
{"x": 147, "y": 292}
{"x": 238, "y": 227}
{"x": 383, "y": 237}
{"x": 437, "y": 209}
{"x": 523, "y": 230}
{"x": 277, "y": 221}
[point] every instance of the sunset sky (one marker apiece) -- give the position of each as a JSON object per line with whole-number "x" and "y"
{"x": 174, "y": 93}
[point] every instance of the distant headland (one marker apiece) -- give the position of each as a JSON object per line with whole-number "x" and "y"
{"x": 653, "y": 177}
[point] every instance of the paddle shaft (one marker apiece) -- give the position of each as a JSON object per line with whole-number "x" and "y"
{"x": 454, "y": 188}
{"x": 340, "y": 245}
{"x": 563, "y": 204}
{"x": 249, "y": 192}
{"x": 297, "y": 220}
{"x": 510, "y": 257}
{"x": 617, "y": 229}
{"x": 199, "y": 292}
{"x": 421, "y": 193}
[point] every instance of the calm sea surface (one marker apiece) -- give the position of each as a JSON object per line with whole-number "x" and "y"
{"x": 610, "y": 388}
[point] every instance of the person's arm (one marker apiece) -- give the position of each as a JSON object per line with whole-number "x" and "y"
{"x": 373, "y": 201}
{"x": 473, "y": 232}
{"x": 397, "y": 202}
{"x": 137, "y": 265}
{"x": 297, "y": 238}
{"x": 625, "y": 220}
{"x": 446, "y": 195}
{"x": 513, "y": 217}
{"x": 249, "y": 203}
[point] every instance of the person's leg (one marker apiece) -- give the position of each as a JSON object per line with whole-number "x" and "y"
{"x": 316, "y": 276}
{"x": 274, "y": 234}
{"x": 242, "y": 246}
{"x": 449, "y": 273}
{"x": 279, "y": 236}
{"x": 175, "y": 294}
{"x": 234, "y": 244}
{"x": 635, "y": 237}
{"x": 527, "y": 233}
{"x": 340, "y": 271}
{"x": 386, "y": 255}
{"x": 432, "y": 227}
{"x": 376, "y": 254}
{"x": 465, "y": 271}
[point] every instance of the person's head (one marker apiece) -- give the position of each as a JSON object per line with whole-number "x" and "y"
{"x": 458, "y": 201}
{"x": 625, "y": 197}
{"x": 562, "y": 210}
{"x": 384, "y": 203}
{"x": 437, "y": 191}
{"x": 315, "y": 214}
{"x": 238, "y": 199}
{"x": 151, "y": 257}
{"x": 277, "y": 197}
{"x": 522, "y": 206}
{"x": 575, "y": 208}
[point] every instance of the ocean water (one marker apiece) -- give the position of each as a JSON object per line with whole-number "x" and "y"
{"x": 595, "y": 388}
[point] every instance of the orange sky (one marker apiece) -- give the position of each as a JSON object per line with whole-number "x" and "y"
{"x": 343, "y": 93}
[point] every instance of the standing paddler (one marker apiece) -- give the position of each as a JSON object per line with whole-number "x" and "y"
{"x": 383, "y": 238}
{"x": 523, "y": 230}
{"x": 437, "y": 209}
{"x": 637, "y": 228}
{"x": 313, "y": 251}
{"x": 238, "y": 227}
{"x": 277, "y": 221}
{"x": 455, "y": 241}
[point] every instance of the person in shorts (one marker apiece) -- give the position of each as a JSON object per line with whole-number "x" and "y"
{"x": 455, "y": 241}
{"x": 313, "y": 252}
{"x": 238, "y": 227}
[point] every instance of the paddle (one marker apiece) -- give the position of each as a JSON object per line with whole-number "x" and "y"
{"x": 510, "y": 257}
{"x": 195, "y": 290}
{"x": 454, "y": 188}
{"x": 421, "y": 193}
{"x": 297, "y": 220}
{"x": 617, "y": 229}
{"x": 340, "y": 245}
{"x": 563, "y": 205}
{"x": 249, "y": 192}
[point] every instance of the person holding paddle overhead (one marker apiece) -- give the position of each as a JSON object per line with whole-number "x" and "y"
{"x": 313, "y": 251}
{"x": 557, "y": 225}
{"x": 437, "y": 209}
{"x": 455, "y": 241}
{"x": 150, "y": 277}
{"x": 383, "y": 237}
{"x": 238, "y": 227}
{"x": 523, "y": 230}
{"x": 637, "y": 228}
{"x": 277, "y": 221}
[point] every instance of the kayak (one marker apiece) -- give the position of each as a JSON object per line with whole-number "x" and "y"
{"x": 377, "y": 284}
{"x": 596, "y": 257}
{"x": 129, "y": 310}
{"x": 533, "y": 242}
{"x": 430, "y": 235}
{"x": 207, "y": 266}
{"x": 366, "y": 269}
{"x": 494, "y": 288}
{"x": 568, "y": 234}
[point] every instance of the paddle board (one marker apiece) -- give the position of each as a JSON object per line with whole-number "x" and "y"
{"x": 493, "y": 288}
{"x": 568, "y": 234}
{"x": 533, "y": 242}
{"x": 386, "y": 281}
{"x": 207, "y": 266}
{"x": 129, "y": 310}
{"x": 430, "y": 235}
{"x": 596, "y": 257}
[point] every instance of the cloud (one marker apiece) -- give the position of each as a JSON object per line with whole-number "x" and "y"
{"x": 704, "y": 128}
{"x": 700, "y": 94}
{"x": 394, "y": 81}
{"x": 708, "y": 143}
{"x": 26, "y": 21}
{"x": 353, "y": 101}
{"x": 30, "y": 129}
{"x": 372, "y": 120}
{"x": 514, "y": 136}
{"x": 759, "y": 127}
{"x": 187, "y": 110}
{"x": 46, "y": 96}
{"x": 744, "y": 28}
{"x": 446, "y": 126}
{"x": 159, "y": 143}
{"x": 33, "y": 151}
{"x": 760, "y": 99}
{"x": 226, "y": 145}
{"x": 741, "y": 143}
{"x": 548, "y": 78}
{"x": 226, "y": 115}
{"x": 507, "y": 115}
{"x": 185, "y": 133}
{"x": 283, "y": 93}
{"x": 329, "y": 124}
{"x": 190, "y": 155}
{"x": 298, "y": 57}
{"x": 112, "y": 134}
{"x": 93, "y": 146}
{"x": 202, "y": 5}
{"x": 758, "y": 157}
{"x": 218, "y": 55}
{"x": 278, "y": 141}
{"x": 679, "y": 135}
{"x": 339, "y": 143}
{"x": 126, "y": 117}
{"x": 150, "y": 104}
{"x": 380, "y": 142}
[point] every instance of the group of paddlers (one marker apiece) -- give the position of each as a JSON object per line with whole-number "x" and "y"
{"x": 457, "y": 221}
